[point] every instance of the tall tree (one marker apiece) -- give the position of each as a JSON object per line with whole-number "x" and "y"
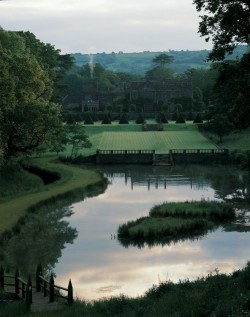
{"x": 227, "y": 23}
{"x": 28, "y": 116}
{"x": 163, "y": 59}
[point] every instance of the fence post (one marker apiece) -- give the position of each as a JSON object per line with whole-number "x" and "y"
{"x": 39, "y": 272}
{"x": 1, "y": 278}
{"x": 51, "y": 289}
{"x": 29, "y": 292}
{"x": 17, "y": 282}
{"x": 70, "y": 293}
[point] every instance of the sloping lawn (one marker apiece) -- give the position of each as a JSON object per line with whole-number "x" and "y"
{"x": 131, "y": 137}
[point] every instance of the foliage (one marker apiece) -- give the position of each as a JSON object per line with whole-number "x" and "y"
{"x": 245, "y": 161}
{"x": 163, "y": 59}
{"x": 215, "y": 294}
{"x": 160, "y": 73}
{"x": 198, "y": 119}
{"x": 180, "y": 119}
{"x": 219, "y": 125}
{"x": 233, "y": 90}
{"x": 171, "y": 222}
{"x": 123, "y": 119}
{"x": 28, "y": 116}
{"x": 227, "y": 23}
{"x": 88, "y": 119}
{"x": 161, "y": 118}
{"x": 140, "y": 119}
{"x": 106, "y": 119}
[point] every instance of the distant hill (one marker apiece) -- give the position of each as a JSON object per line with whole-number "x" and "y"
{"x": 139, "y": 63}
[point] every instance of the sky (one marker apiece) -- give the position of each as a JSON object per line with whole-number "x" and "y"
{"x": 96, "y": 26}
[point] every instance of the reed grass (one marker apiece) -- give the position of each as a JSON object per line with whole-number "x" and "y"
{"x": 176, "y": 220}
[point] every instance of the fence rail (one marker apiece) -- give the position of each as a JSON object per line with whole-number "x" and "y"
{"x": 16, "y": 285}
{"x": 23, "y": 290}
{"x": 52, "y": 290}
{"x": 108, "y": 152}
{"x": 198, "y": 151}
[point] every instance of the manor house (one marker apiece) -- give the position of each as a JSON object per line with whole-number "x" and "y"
{"x": 149, "y": 93}
{"x": 155, "y": 91}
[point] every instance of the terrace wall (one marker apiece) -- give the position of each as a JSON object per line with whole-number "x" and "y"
{"x": 199, "y": 156}
{"x": 125, "y": 156}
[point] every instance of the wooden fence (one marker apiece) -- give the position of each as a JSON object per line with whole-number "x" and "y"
{"x": 52, "y": 290}
{"x": 17, "y": 286}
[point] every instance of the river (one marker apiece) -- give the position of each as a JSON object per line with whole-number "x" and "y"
{"x": 99, "y": 266}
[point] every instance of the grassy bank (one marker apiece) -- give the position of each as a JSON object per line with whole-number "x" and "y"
{"x": 173, "y": 221}
{"x": 12, "y": 208}
{"x": 214, "y": 295}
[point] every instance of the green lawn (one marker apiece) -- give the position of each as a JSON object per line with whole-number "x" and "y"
{"x": 131, "y": 137}
{"x": 72, "y": 178}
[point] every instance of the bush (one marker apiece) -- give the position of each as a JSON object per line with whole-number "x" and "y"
{"x": 124, "y": 119}
{"x": 180, "y": 119}
{"x": 88, "y": 119}
{"x": 140, "y": 119}
{"x": 198, "y": 119}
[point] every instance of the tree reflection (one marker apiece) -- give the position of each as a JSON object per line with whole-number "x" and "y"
{"x": 40, "y": 240}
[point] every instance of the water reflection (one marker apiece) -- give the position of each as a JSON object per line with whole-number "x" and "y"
{"x": 99, "y": 266}
{"x": 40, "y": 240}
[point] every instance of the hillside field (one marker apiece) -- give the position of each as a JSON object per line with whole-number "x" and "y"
{"x": 131, "y": 137}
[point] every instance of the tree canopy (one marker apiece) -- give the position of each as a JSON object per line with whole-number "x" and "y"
{"x": 226, "y": 22}
{"x": 163, "y": 59}
{"x": 28, "y": 114}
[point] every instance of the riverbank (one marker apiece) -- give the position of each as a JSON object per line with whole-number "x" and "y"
{"x": 214, "y": 295}
{"x": 71, "y": 178}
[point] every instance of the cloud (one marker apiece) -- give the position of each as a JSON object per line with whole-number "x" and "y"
{"x": 106, "y": 25}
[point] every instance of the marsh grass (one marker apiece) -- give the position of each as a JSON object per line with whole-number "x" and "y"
{"x": 213, "y": 210}
{"x": 175, "y": 221}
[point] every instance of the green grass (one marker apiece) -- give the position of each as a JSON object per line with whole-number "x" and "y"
{"x": 171, "y": 221}
{"x": 131, "y": 137}
{"x": 238, "y": 140}
{"x": 72, "y": 178}
{"x": 213, "y": 210}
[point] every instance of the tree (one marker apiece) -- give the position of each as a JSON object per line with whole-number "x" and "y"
{"x": 163, "y": 59}
{"x": 28, "y": 117}
{"x": 227, "y": 23}
{"x": 77, "y": 138}
{"x": 219, "y": 125}
{"x": 233, "y": 91}
{"x": 160, "y": 73}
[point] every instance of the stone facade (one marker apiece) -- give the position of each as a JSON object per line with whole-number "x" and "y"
{"x": 153, "y": 92}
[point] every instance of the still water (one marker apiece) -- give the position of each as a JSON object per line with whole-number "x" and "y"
{"x": 99, "y": 266}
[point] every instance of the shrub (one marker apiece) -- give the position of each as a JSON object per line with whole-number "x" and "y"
{"x": 88, "y": 119}
{"x": 180, "y": 119}
{"x": 124, "y": 119}
{"x": 198, "y": 119}
{"x": 140, "y": 119}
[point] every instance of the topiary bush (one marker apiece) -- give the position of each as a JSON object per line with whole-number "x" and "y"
{"x": 124, "y": 119}
{"x": 198, "y": 119}
{"x": 140, "y": 119}
{"x": 88, "y": 119}
{"x": 180, "y": 119}
{"x": 106, "y": 119}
